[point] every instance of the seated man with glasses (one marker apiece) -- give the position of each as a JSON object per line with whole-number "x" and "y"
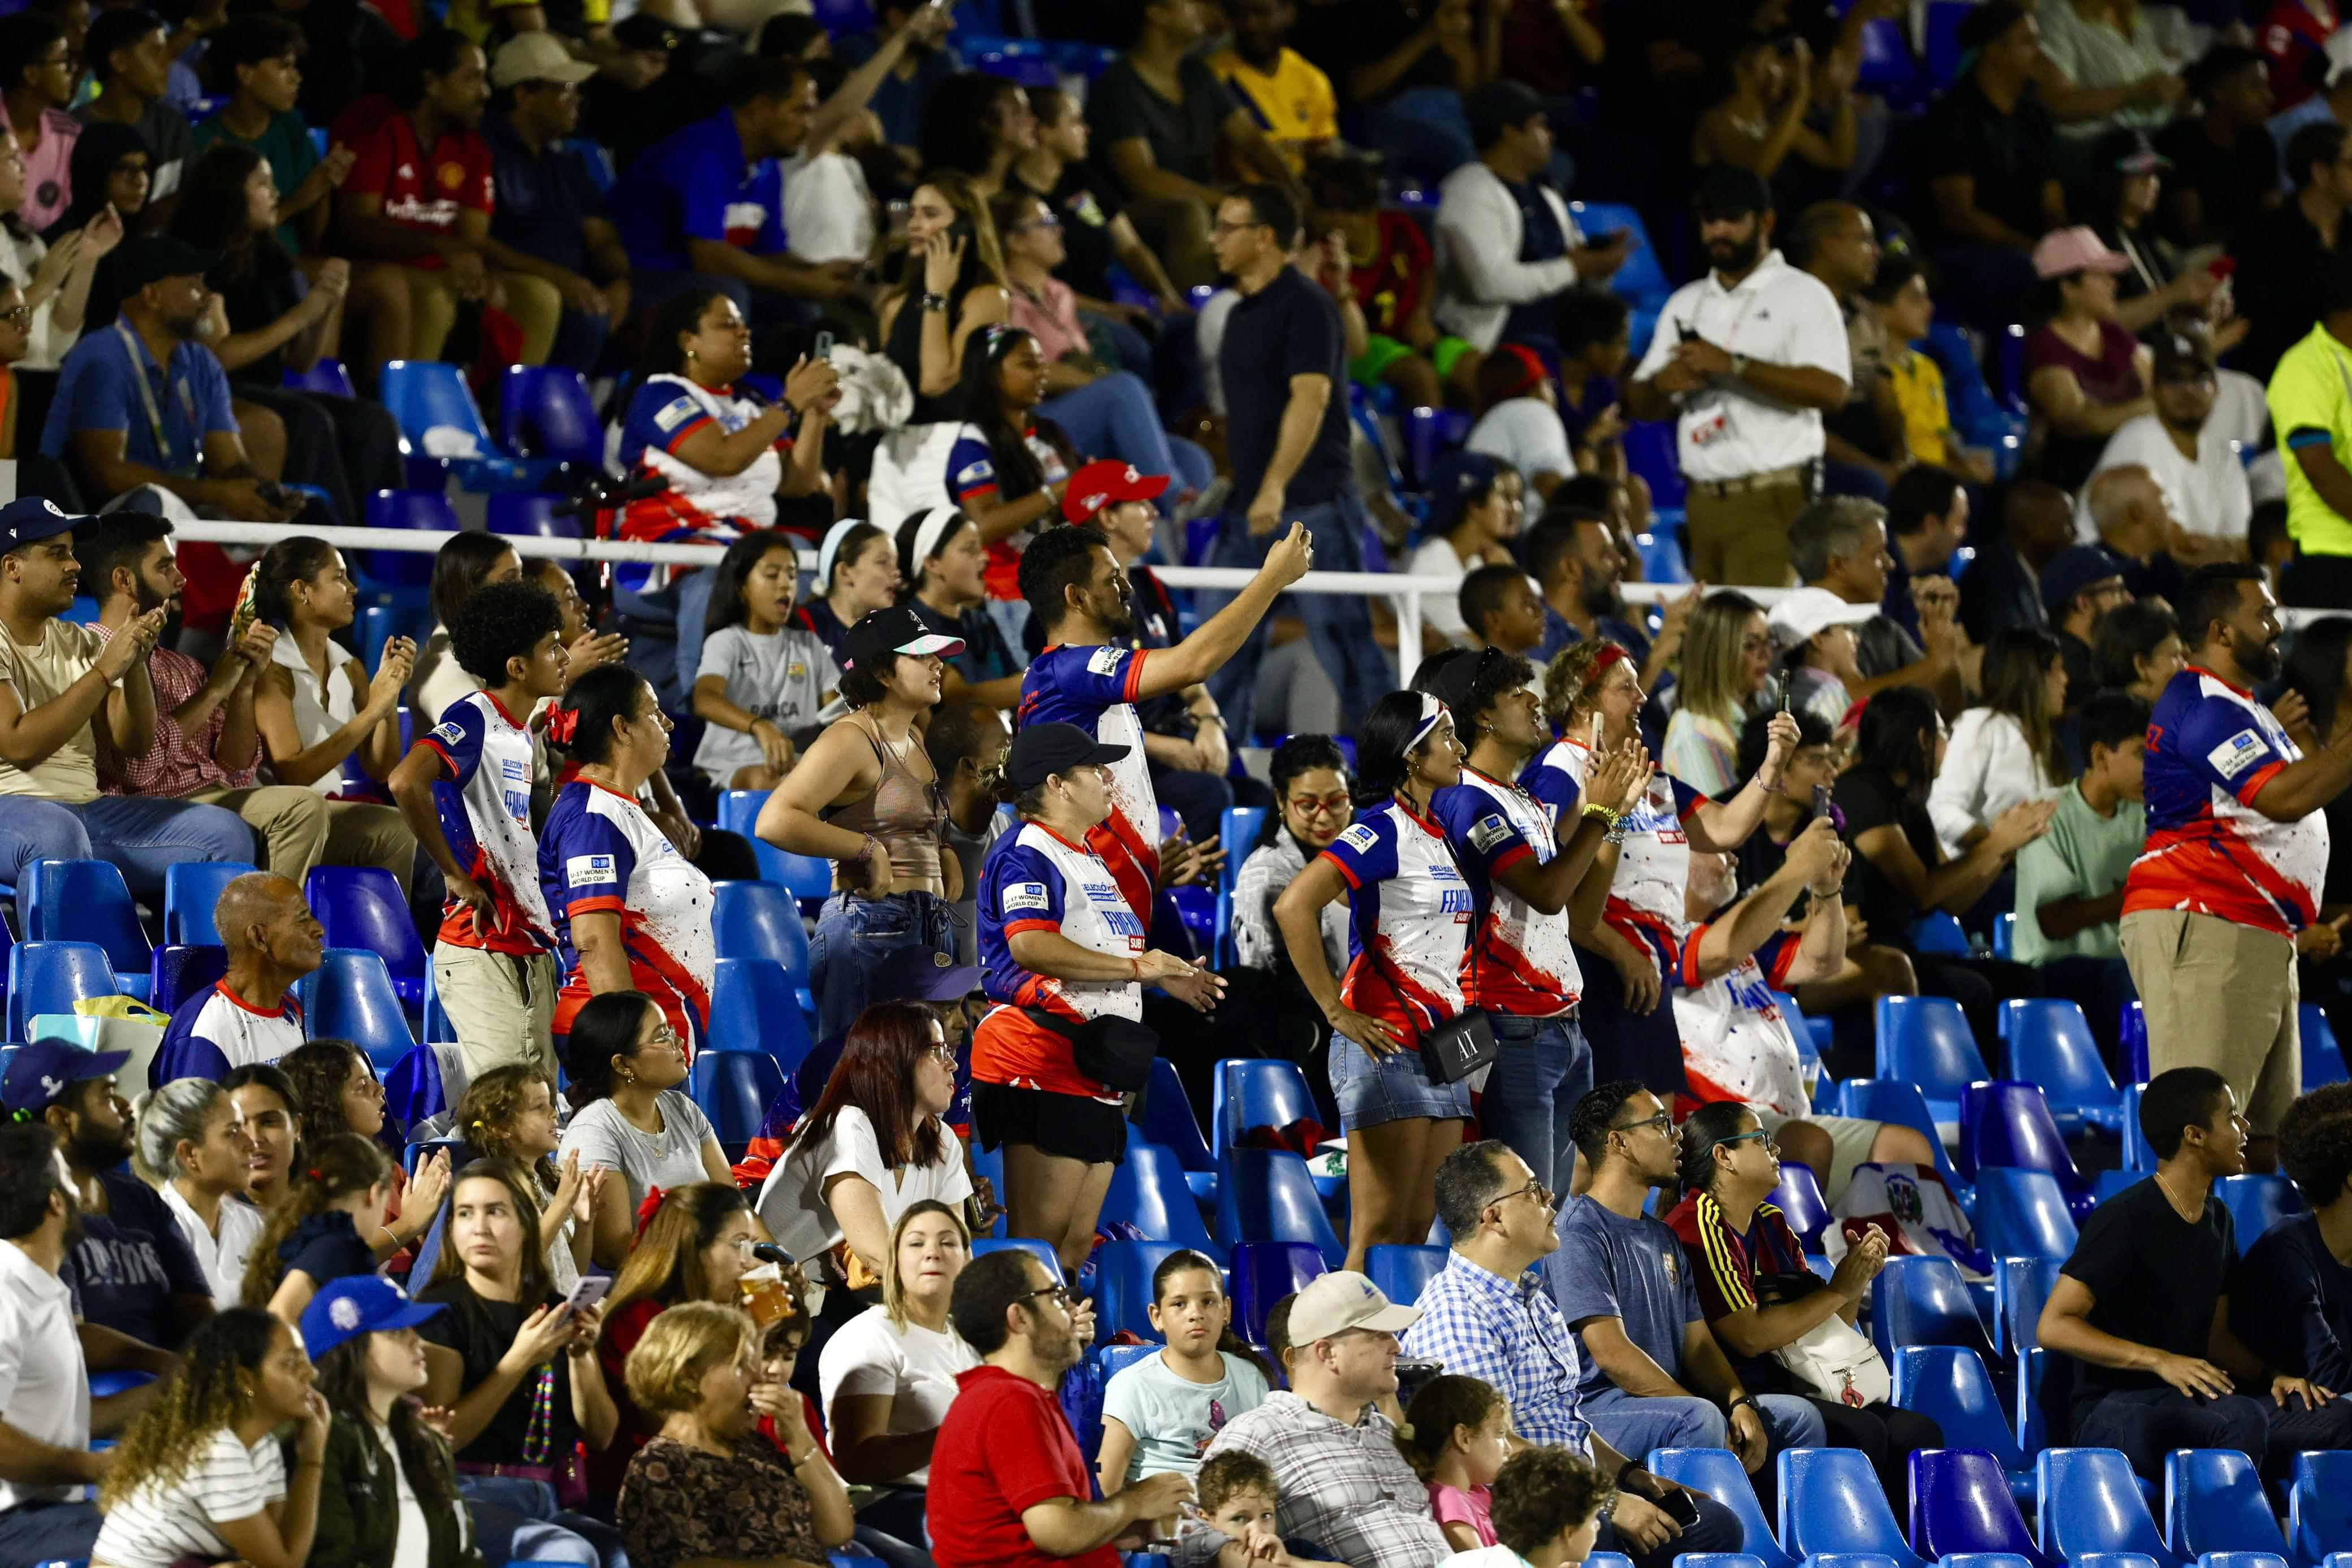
{"x": 1490, "y": 1314}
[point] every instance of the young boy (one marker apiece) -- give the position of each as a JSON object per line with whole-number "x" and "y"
{"x": 1236, "y": 1493}
{"x": 464, "y": 789}
{"x": 1546, "y": 1512}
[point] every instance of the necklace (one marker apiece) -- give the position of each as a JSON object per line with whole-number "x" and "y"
{"x": 2173, "y": 1199}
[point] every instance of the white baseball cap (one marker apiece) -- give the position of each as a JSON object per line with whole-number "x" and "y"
{"x": 1804, "y": 612}
{"x": 1342, "y": 1301}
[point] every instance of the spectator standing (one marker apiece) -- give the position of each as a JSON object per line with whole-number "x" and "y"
{"x": 128, "y": 53}
{"x": 250, "y": 1014}
{"x": 2311, "y": 412}
{"x": 1748, "y": 401}
{"x": 1727, "y": 663}
{"x": 1292, "y": 99}
{"x": 2070, "y": 882}
{"x": 2005, "y": 752}
{"x": 2289, "y": 264}
{"x": 193, "y": 1137}
{"x": 2211, "y": 942}
{"x": 2085, "y": 376}
{"x": 920, "y": 63}
{"x": 36, "y": 83}
{"x": 258, "y": 58}
{"x": 1311, "y": 805}
{"x": 1992, "y": 165}
{"x": 547, "y": 218}
{"x": 1283, "y": 365}
{"x": 2226, "y": 165}
{"x": 2191, "y": 458}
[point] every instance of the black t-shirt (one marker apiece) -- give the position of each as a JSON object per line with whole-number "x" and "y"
{"x": 2011, "y": 155}
{"x": 481, "y": 1331}
{"x": 1871, "y": 798}
{"x": 2231, "y": 181}
{"x": 1339, "y": 38}
{"x": 258, "y": 295}
{"x": 2291, "y": 1302}
{"x": 1290, "y": 327}
{"x": 2155, "y": 1278}
{"x": 327, "y": 1247}
{"x": 2281, "y": 267}
{"x": 1087, "y": 199}
{"x": 1121, "y": 106}
{"x": 130, "y": 1263}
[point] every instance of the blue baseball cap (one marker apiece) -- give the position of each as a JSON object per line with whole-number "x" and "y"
{"x": 30, "y": 519}
{"x": 2073, "y": 569}
{"x": 358, "y": 1304}
{"x": 1454, "y": 481}
{"x": 39, "y": 1074}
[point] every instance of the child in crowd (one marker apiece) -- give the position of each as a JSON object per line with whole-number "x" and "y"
{"x": 1456, "y": 1434}
{"x": 509, "y": 1114}
{"x": 1236, "y": 1492}
{"x": 761, "y": 678}
{"x": 333, "y": 1204}
{"x": 1161, "y": 1412}
{"x": 1546, "y": 1512}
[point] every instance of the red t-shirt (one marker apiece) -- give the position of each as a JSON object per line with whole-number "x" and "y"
{"x": 419, "y": 190}
{"x": 623, "y": 1330}
{"x": 1003, "y": 1447}
{"x": 1391, "y": 285}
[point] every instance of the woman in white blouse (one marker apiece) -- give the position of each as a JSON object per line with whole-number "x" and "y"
{"x": 55, "y": 277}
{"x": 2007, "y": 751}
{"x": 192, "y": 1136}
{"x": 1726, "y": 660}
{"x": 874, "y": 1145}
{"x": 1311, "y": 805}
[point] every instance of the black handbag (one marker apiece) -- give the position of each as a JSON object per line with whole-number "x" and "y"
{"x": 1459, "y": 1047}
{"x": 1112, "y": 1051}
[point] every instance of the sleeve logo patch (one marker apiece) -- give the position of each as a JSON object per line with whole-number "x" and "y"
{"x": 1105, "y": 661}
{"x": 1360, "y": 838}
{"x": 678, "y": 411}
{"x": 587, "y": 871}
{"x": 1026, "y": 896}
{"x": 448, "y": 734}
{"x": 980, "y": 473}
{"x": 2237, "y": 754}
{"x": 1488, "y": 831}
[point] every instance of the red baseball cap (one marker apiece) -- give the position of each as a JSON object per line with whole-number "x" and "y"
{"x": 1106, "y": 483}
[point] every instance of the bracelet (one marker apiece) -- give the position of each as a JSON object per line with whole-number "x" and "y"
{"x": 934, "y": 301}
{"x": 391, "y": 1236}
{"x": 805, "y": 1459}
{"x": 1601, "y": 813}
{"x": 1748, "y": 1399}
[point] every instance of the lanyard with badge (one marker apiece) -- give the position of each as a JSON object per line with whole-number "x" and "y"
{"x": 130, "y": 346}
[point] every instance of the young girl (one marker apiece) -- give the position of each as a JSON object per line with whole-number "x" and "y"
{"x": 316, "y": 1234}
{"x": 761, "y": 678}
{"x": 1546, "y": 1510}
{"x": 1470, "y": 522}
{"x": 1457, "y": 1433}
{"x": 509, "y": 1114}
{"x": 1161, "y": 1412}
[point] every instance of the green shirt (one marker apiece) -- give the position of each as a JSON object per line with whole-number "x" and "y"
{"x": 284, "y": 144}
{"x": 2083, "y": 855}
{"x": 2311, "y": 402}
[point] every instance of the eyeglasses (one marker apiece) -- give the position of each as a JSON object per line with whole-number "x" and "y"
{"x": 943, "y": 1054}
{"x": 1060, "y": 1293}
{"x": 17, "y": 316}
{"x": 1038, "y": 223}
{"x": 663, "y": 1035}
{"x": 1663, "y": 1122}
{"x": 1221, "y": 227}
{"x": 1319, "y": 805}
{"x": 1536, "y": 1189}
{"x": 1770, "y": 1143}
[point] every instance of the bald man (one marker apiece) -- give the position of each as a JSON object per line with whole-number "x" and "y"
{"x": 2134, "y": 522}
{"x": 250, "y": 1014}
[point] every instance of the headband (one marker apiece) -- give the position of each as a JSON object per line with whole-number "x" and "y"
{"x": 1431, "y": 710}
{"x": 828, "y": 549}
{"x": 1529, "y": 362}
{"x": 937, "y": 524}
{"x": 1611, "y": 652}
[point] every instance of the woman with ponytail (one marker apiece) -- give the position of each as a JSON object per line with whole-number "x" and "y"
{"x": 316, "y": 1234}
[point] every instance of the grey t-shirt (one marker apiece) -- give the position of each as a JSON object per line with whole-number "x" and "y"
{"x": 782, "y": 677}
{"x": 603, "y": 1137}
{"x": 1632, "y": 1270}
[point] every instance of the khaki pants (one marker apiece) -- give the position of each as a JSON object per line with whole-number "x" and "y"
{"x": 288, "y": 823}
{"x": 2219, "y": 995}
{"x": 502, "y": 1006}
{"x": 1742, "y": 540}
{"x": 533, "y": 302}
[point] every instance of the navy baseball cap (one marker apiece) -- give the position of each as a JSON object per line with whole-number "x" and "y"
{"x": 2073, "y": 569}
{"x": 920, "y": 975}
{"x": 358, "y": 1304}
{"x": 1041, "y": 750}
{"x": 30, "y": 519}
{"x": 39, "y": 1074}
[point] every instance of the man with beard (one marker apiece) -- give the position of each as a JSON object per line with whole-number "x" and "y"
{"x": 2237, "y": 849}
{"x": 1746, "y": 361}
{"x": 550, "y": 219}
{"x": 205, "y": 747}
{"x": 1867, "y": 451}
{"x": 2191, "y": 460}
{"x": 1290, "y": 95}
{"x": 137, "y": 1284}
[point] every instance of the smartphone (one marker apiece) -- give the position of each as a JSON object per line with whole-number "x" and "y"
{"x": 1821, "y": 800}
{"x": 1787, "y": 692}
{"x": 1412, "y": 1375}
{"x": 590, "y": 1291}
{"x": 1682, "y": 1507}
{"x": 824, "y": 346}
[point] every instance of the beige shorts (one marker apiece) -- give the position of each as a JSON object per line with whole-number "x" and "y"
{"x": 502, "y": 1007}
{"x": 1850, "y": 1141}
{"x": 2219, "y": 995}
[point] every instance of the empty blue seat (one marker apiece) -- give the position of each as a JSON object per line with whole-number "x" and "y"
{"x": 2091, "y": 1502}
{"x": 395, "y": 570}
{"x": 425, "y": 395}
{"x": 735, "y": 1089}
{"x": 1925, "y": 1040}
{"x": 178, "y": 972}
{"x": 759, "y": 920}
{"x": 2323, "y": 1058}
{"x": 362, "y": 906}
{"x": 437, "y": 1026}
{"x": 2138, "y": 1153}
{"x": 1148, "y": 1191}
{"x": 2242, "y": 1559}
{"x": 378, "y": 623}
{"x": 1950, "y": 1386}
{"x": 753, "y": 1006}
{"x": 413, "y": 1090}
{"x": 87, "y": 900}
{"x": 1988, "y": 1559}
{"x": 2213, "y": 1501}
{"x": 352, "y": 998}
{"x": 2050, "y": 1043}
{"x": 1798, "y": 1197}
{"x": 1264, "y": 1272}
{"x": 191, "y": 890}
{"x": 1924, "y": 1301}
{"x": 520, "y": 515}
{"x": 2022, "y": 1214}
{"x": 2319, "y": 1506}
{"x": 1890, "y": 1100}
{"x": 1401, "y": 1271}
{"x": 1237, "y": 832}
{"x": 1257, "y": 1093}
{"x": 1028, "y": 1244}
{"x": 2256, "y": 1203}
{"x": 1965, "y": 1500}
{"x": 2020, "y": 1288}
{"x": 544, "y": 411}
{"x": 1167, "y": 1120}
{"x": 1718, "y": 1560}
{"x": 2007, "y": 1124}
{"x": 1123, "y": 1286}
{"x": 1719, "y": 1473}
{"x": 1265, "y": 1195}
{"x": 328, "y": 376}
{"x": 1831, "y": 1501}
{"x": 50, "y": 976}
{"x": 808, "y": 878}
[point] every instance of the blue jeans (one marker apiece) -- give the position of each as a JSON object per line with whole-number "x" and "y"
{"x": 856, "y": 940}
{"x": 1114, "y": 417}
{"x": 1424, "y": 131}
{"x": 48, "y": 1531}
{"x": 669, "y": 668}
{"x": 1634, "y": 1426}
{"x": 1544, "y": 1069}
{"x": 1338, "y": 626}
{"x": 516, "y": 1520}
{"x": 139, "y": 834}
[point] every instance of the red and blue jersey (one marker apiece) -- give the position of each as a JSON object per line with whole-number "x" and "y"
{"x": 1521, "y": 961}
{"x": 2211, "y": 750}
{"x": 1409, "y": 913}
{"x": 600, "y": 852}
{"x": 699, "y": 507}
{"x": 217, "y": 1031}
{"x": 1035, "y": 880}
{"x": 1094, "y": 688}
{"x": 484, "y": 809}
{"x": 1645, "y": 896}
{"x": 695, "y": 184}
{"x": 972, "y": 481}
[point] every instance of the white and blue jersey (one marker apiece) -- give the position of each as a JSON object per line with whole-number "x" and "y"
{"x": 699, "y": 507}
{"x": 695, "y": 184}
{"x": 601, "y": 852}
{"x": 1035, "y": 880}
{"x": 1645, "y": 896}
{"x": 1522, "y": 962}
{"x": 1409, "y": 913}
{"x": 485, "y": 810}
{"x": 216, "y": 1031}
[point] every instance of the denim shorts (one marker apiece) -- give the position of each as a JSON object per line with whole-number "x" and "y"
{"x": 1371, "y": 1089}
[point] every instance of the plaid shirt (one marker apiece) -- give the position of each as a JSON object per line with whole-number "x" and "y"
{"x": 1510, "y": 1334}
{"x": 1345, "y": 1487}
{"x": 178, "y": 763}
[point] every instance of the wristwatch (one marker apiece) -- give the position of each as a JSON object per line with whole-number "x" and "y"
{"x": 1738, "y": 367}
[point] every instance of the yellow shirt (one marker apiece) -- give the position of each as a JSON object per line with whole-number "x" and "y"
{"x": 1293, "y": 105}
{"x": 1918, "y": 383}
{"x": 2310, "y": 392}
{"x": 40, "y": 674}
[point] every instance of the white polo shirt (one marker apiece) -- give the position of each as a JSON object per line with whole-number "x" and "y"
{"x": 220, "y": 1257}
{"x": 43, "y": 1384}
{"x": 2208, "y": 496}
{"x": 1778, "y": 315}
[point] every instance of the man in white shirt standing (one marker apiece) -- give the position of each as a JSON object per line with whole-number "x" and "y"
{"x": 1745, "y": 362}
{"x": 2192, "y": 459}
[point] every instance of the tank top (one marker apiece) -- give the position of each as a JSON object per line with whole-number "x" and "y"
{"x": 906, "y": 811}
{"x": 904, "y": 349}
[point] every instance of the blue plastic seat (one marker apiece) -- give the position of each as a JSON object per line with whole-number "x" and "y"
{"x": 2050, "y": 1043}
{"x": 752, "y": 1006}
{"x": 413, "y": 1090}
{"x": 424, "y": 394}
{"x": 808, "y": 878}
{"x": 1123, "y": 1286}
{"x": 1924, "y": 1301}
{"x": 2091, "y": 1502}
{"x": 362, "y": 906}
{"x": 1925, "y": 1040}
{"x": 1265, "y": 1195}
{"x": 1718, "y": 1560}
{"x": 1110, "y": 1360}
{"x": 379, "y": 623}
{"x": 1800, "y": 1199}
{"x": 2044, "y": 1401}
{"x": 1264, "y": 1272}
{"x": 398, "y": 571}
{"x": 328, "y": 376}
{"x": 1951, "y": 1387}
{"x": 520, "y": 515}
{"x": 2319, "y": 1506}
{"x": 1988, "y": 1559}
{"x": 1029, "y": 1244}
{"x": 2022, "y": 1214}
{"x": 1649, "y": 452}
{"x": 759, "y": 920}
{"x": 1238, "y": 831}
{"x": 1890, "y": 1100}
{"x": 1641, "y": 282}
{"x": 1719, "y": 1473}
{"x": 177, "y": 972}
{"x": 1255, "y": 1093}
{"x": 1963, "y": 1499}
{"x": 2242, "y": 1559}
{"x": 2213, "y": 1501}
{"x": 1831, "y": 1501}
{"x": 87, "y": 900}
{"x": 191, "y": 891}
{"x": 2007, "y": 1124}
{"x": 1401, "y": 1272}
{"x": 545, "y": 411}
{"x": 1887, "y": 67}
{"x": 351, "y": 996}
{"x": 2323, "y": 1058}
{"x": 1148, "y": 1191}
{"x": 989, "y": 1164}
{"x": 735, "y": 1089}
{"x": 2256, "y": 1203}
{"x": 2020, "y": 1288}
{"x": 1169, "y": 1120}
{"x": 50, "y": 976}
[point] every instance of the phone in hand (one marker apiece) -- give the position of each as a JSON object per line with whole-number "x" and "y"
{"x": 1821, "y": 800}
{"x": 823, "y": 349}
{"x": 590, "y": 1291}
{"x": 1681, "y": 1507}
